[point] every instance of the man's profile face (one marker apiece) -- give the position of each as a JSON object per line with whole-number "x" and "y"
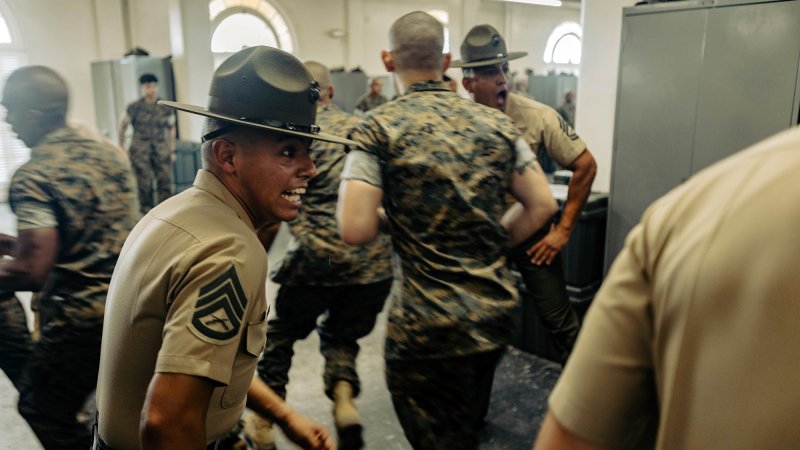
{"x": 149, "y": 90}
{"x": 489, "y": 85}
{"x": 273, "y": 173}
{"x": 18, "y": 115}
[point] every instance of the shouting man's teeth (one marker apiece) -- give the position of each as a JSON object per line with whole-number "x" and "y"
{"x": 294, "y": 194}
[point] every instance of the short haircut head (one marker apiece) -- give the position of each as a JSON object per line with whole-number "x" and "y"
{"x": 320, "y": 73}
{"x": 148, "y": 78}
{"x": 416, "y": 42}
{"x": 40, "y": 88}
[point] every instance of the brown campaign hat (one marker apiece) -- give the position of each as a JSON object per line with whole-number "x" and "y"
{"x": 263, "y": 87}
{"x": 484, "y": 46}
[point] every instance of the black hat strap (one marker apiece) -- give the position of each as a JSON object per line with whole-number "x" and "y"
{"x": 312, "y": 129}
{"x": 216, "y": 133}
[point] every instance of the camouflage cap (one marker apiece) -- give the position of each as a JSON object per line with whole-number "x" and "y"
{"x": 484, "y": 46}
{"x": 264, "y": 87}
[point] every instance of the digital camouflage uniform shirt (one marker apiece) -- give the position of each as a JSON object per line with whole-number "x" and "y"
{"x": 316, "y": 254}
{"x": 445, "y": 164}
{"x": 368, "y": 102}
{"x": 150, "y": 121}
{"x": 85, "y": 190}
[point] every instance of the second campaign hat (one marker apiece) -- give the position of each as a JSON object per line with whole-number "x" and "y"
{"x": 267, "y": 88}
{"x": 484, "y": 46}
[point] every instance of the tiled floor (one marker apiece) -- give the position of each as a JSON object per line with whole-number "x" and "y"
{"x": 518, "y": 400}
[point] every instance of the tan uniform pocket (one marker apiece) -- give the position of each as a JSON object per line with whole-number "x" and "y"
{"x": 255, "y": 337}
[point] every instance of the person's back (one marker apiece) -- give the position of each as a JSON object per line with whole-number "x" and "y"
{"x": 440, "y": 166}
{"x": 448, "y": 165}
{"x": 325, "y": 285}
{"x": 693, "y": 325}
{"x": 319, "y": 249}
{"x": 92, "y": 188}
{"x": 75, "y": 204}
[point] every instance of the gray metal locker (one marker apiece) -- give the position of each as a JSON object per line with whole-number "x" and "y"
{"x": 116, "y": 84}
{"x": 348, "y": 87}
{"x": 698, "y": 81}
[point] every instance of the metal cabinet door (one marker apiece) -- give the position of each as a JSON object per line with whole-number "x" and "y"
{"x": 659, "y": 77}
{"x": 747, "y": 92}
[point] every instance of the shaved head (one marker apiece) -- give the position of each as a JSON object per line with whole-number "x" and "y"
{"x": 36, "y": 100}
{"x": 37, "y": 87}
{"x": 416, "y": 42}
{"x": 323, "y": 77}
{"x": 320, "y": 73}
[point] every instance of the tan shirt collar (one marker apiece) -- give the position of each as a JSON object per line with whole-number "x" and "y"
{"x": 209, "y": 182}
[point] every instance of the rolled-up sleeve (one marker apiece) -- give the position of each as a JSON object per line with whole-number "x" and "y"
{"x": 363, "y": 166}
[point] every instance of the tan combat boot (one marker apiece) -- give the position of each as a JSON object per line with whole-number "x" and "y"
{"x": 258, "y": 432}
{"x": 345, "y": 416}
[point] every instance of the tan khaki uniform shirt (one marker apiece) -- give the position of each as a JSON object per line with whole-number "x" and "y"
{"x": 544, "y": 129}
{"x": 697, "y": 322}
{"x": 188, "y": 297}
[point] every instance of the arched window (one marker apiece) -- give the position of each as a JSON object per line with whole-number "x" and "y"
{"x": 444, "y": 18}
{"x": 564, "y": 44}
{"x": 239, "y": 24}
{"x": 13, "y": 153}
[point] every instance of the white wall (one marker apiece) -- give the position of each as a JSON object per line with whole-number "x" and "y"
{"x": 149, "y": 23}
{"x": 528, "y": 28}
{"x": 69, "y": 34}
{"x": 597, "y": 85}
{"x": 64, "y": 36}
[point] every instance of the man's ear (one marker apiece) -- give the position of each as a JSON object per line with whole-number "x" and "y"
{"x": 388, "y": 60}
{"x": 223, "y": 153}
{"x": 467, "y": 83}
{"x": 330, "y": 92}
{"x": 446, "y": 61}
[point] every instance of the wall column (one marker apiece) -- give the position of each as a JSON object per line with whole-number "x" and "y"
{"x": 190, "y": 33}
{"x": 597, "y": 84}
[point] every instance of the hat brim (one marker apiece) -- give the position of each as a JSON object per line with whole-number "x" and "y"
{"x": 487, "y": 62}
{"x": 204, "y": 112}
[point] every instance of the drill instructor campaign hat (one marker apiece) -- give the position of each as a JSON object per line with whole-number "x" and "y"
{"x": 263, "y": 87}
{"x": 484, "y": 46}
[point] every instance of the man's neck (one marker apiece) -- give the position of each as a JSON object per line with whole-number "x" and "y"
{"x": 408, "y": 77}
{"x": 47, "y": 130}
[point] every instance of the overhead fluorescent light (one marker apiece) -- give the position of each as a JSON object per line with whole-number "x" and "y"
{"x": 535, "y": 2}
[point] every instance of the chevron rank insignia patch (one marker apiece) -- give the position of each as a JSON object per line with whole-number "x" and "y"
{"x": 567, "y": 128}
{"x": 220, "y": 307}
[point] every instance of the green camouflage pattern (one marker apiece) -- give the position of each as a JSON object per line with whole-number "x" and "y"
{"x": 150, "y": 121}
{"x": 58, "y": 376}
{"x": 316, "y": 254}
{"x": 440, "y": 403}
{"x": 349, "y": 314}
{"x": 446, "y": 164}
{"x": 150, "y": 155}
{"x": 15, "y": 339}
{"x": 90, "y": 188}
{"x": 369, "y": 102}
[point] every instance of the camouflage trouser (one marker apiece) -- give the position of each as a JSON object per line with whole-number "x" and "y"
{"x": 15, "y": 339}
{"x": 151, "y": 160}
{"x": 59, "y": 375}
{"x": 439, "y": 402}
{"x": 547, "y": 291}
{"x": 350, "y": 313}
